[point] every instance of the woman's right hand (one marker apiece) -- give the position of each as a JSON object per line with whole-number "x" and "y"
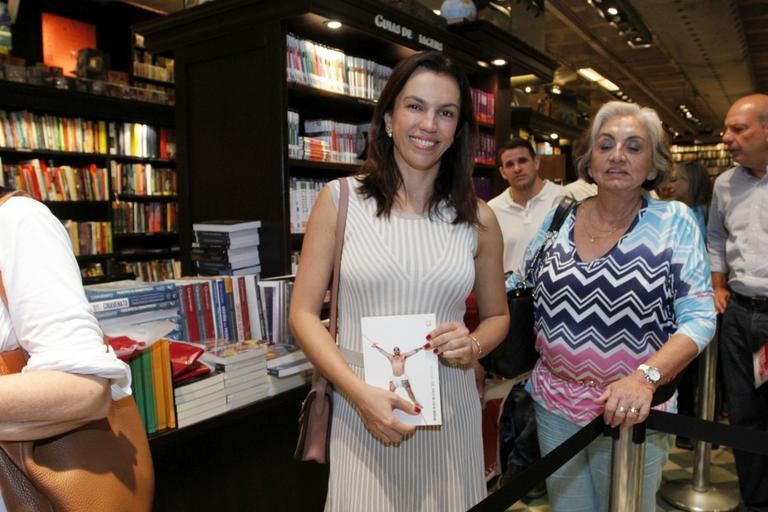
{"x": 376, "y": 406}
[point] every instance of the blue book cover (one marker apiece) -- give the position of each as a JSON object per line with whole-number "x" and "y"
{"x": 125, "y": 288}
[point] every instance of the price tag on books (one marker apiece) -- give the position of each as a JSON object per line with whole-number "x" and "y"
{"x": 394, "y": 359}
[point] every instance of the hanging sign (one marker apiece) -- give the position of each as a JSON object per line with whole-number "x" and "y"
{"x": 401, "y": 30}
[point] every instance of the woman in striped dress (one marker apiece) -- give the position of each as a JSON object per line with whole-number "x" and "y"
{"x": 417, "y": 241}
{"x": 623, "y": 301}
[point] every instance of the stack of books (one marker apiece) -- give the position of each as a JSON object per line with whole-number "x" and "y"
{"x": 227, "y": 247}
{"x": 244, "y": 367}
{"x": 287, "y": 368}
{"x": 200, "y": 399}
{"x": 122, "y": 305}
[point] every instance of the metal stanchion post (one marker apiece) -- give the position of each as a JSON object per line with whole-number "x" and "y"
{"x": 627, "y": 463}
{"x": 699, "y": 494}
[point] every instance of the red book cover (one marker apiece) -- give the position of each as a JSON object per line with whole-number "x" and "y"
{"x": 205, "y": 297}
{"x": 94, "y": 183}
{"x": 194, "y": 328}
{"x": 244, "y": 307}
{"x": 163, "y": 143}
{"x": 30, "y": 176}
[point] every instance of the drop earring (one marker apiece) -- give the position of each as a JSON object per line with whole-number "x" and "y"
{"x": 389, "y": 131}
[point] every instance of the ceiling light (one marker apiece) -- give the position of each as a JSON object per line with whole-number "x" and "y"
{"x": 556, "y": 89}
{"x": 333, "y": 24}
{"x": 608, "y": 85}
{"x": 483, "y": 64}
{"x": 590, "y": 74}
{"x": 436, "y": 11}
{"x": 528, "y": 89}
{"x": 522, "y": 79}
{"x": 612, "y": 11}
{"x": 499, "y": 62}
{"x": 553, "y": 136}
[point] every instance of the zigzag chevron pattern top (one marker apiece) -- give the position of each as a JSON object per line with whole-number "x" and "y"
{"x": 599, "y": 320}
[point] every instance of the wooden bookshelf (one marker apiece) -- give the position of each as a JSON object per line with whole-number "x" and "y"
{"x": 67, "y": 104}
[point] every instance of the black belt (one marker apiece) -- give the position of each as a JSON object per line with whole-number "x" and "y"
{"x": 754, "y": 303}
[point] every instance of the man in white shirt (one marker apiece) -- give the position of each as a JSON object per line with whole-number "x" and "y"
{"x": 737, "y": 239}
{"x": 521, "y": 208}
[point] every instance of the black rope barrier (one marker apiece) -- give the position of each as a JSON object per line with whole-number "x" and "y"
{"x": 541, "y": 469}
{"x": 734, "y": 436}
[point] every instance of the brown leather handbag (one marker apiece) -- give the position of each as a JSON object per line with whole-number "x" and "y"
{"x": 103, "y": 466}
{"x": 317, "y": 409}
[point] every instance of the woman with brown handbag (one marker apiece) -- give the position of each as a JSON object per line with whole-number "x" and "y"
{"x": 70, "y": 377}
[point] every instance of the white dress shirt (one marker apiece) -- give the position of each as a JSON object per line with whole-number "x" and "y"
{"x": 47, "y": 313}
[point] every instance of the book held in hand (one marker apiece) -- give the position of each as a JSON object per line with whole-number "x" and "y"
{"x": 395, "y": 359}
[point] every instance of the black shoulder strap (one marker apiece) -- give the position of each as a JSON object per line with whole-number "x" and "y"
{"x": 563, "y": 209}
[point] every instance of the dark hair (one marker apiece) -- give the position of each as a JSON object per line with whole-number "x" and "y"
{"x": 699, "y": 188}
{"x": 381, "y": 178}
{"x": 512, "y": 144}
{"x": 661, "y": 156}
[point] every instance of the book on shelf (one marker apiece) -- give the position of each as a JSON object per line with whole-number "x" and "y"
{"x": 226, "y": 353}
{"x": 209, "y": 306}
{"x": 162, "y": 308}
{"x": 241, "y": 240}
{"x": 288, "y": 369}
{"x": 227, "y": 226}
{"x": 134, "y": 300}
{"x": 125, "y": 288}
{"x": 151, "y": 383}
{"x": 393, "y": 362}
{"x": 277, "y": 385}
{"x": 275, "y": 298}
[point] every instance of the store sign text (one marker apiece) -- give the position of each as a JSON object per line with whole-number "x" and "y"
{"x": 403, "y": 31}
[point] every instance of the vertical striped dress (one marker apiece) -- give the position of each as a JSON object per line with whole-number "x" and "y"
{"x": 407, "y": 264}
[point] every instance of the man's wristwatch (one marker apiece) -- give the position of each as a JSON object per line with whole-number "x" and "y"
{"x": 651, "y": 374}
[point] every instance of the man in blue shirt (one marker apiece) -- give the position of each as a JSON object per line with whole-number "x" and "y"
{"x": 738, "y": 242}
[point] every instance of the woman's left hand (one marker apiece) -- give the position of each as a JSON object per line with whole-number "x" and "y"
{"x": 451, "y": 341}
{"x": 627, "y": 401}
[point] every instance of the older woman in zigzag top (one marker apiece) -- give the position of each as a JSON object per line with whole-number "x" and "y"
{"x": 623, "y": 302}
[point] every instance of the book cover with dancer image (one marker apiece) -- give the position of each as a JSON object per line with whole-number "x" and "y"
{"x": 395, "y": 359}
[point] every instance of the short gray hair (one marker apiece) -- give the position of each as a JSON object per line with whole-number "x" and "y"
{"x": 652, "y": 123}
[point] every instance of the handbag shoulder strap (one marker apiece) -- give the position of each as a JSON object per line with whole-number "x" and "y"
{"x": 341, "y": 222}
{"x": 563, "y": 209}
{"x": 561, "y": 213}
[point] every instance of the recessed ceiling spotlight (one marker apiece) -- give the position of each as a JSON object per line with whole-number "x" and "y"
{"x": 528, "y": 89}
{"x": 499, "y": 62}
{"x": 333, "y": 24}
{"x": 483, "y": 64}
{"x": 554, "y": 136}
{"x": 556, "y": 89}
{"x": 612, "y": 11}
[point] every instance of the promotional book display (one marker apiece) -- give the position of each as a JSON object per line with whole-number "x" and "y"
{"x": 221, "y": 364}
{"x": 394, "y": 359}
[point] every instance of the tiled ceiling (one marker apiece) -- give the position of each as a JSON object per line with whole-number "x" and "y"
{"x": 705, "y": 53}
